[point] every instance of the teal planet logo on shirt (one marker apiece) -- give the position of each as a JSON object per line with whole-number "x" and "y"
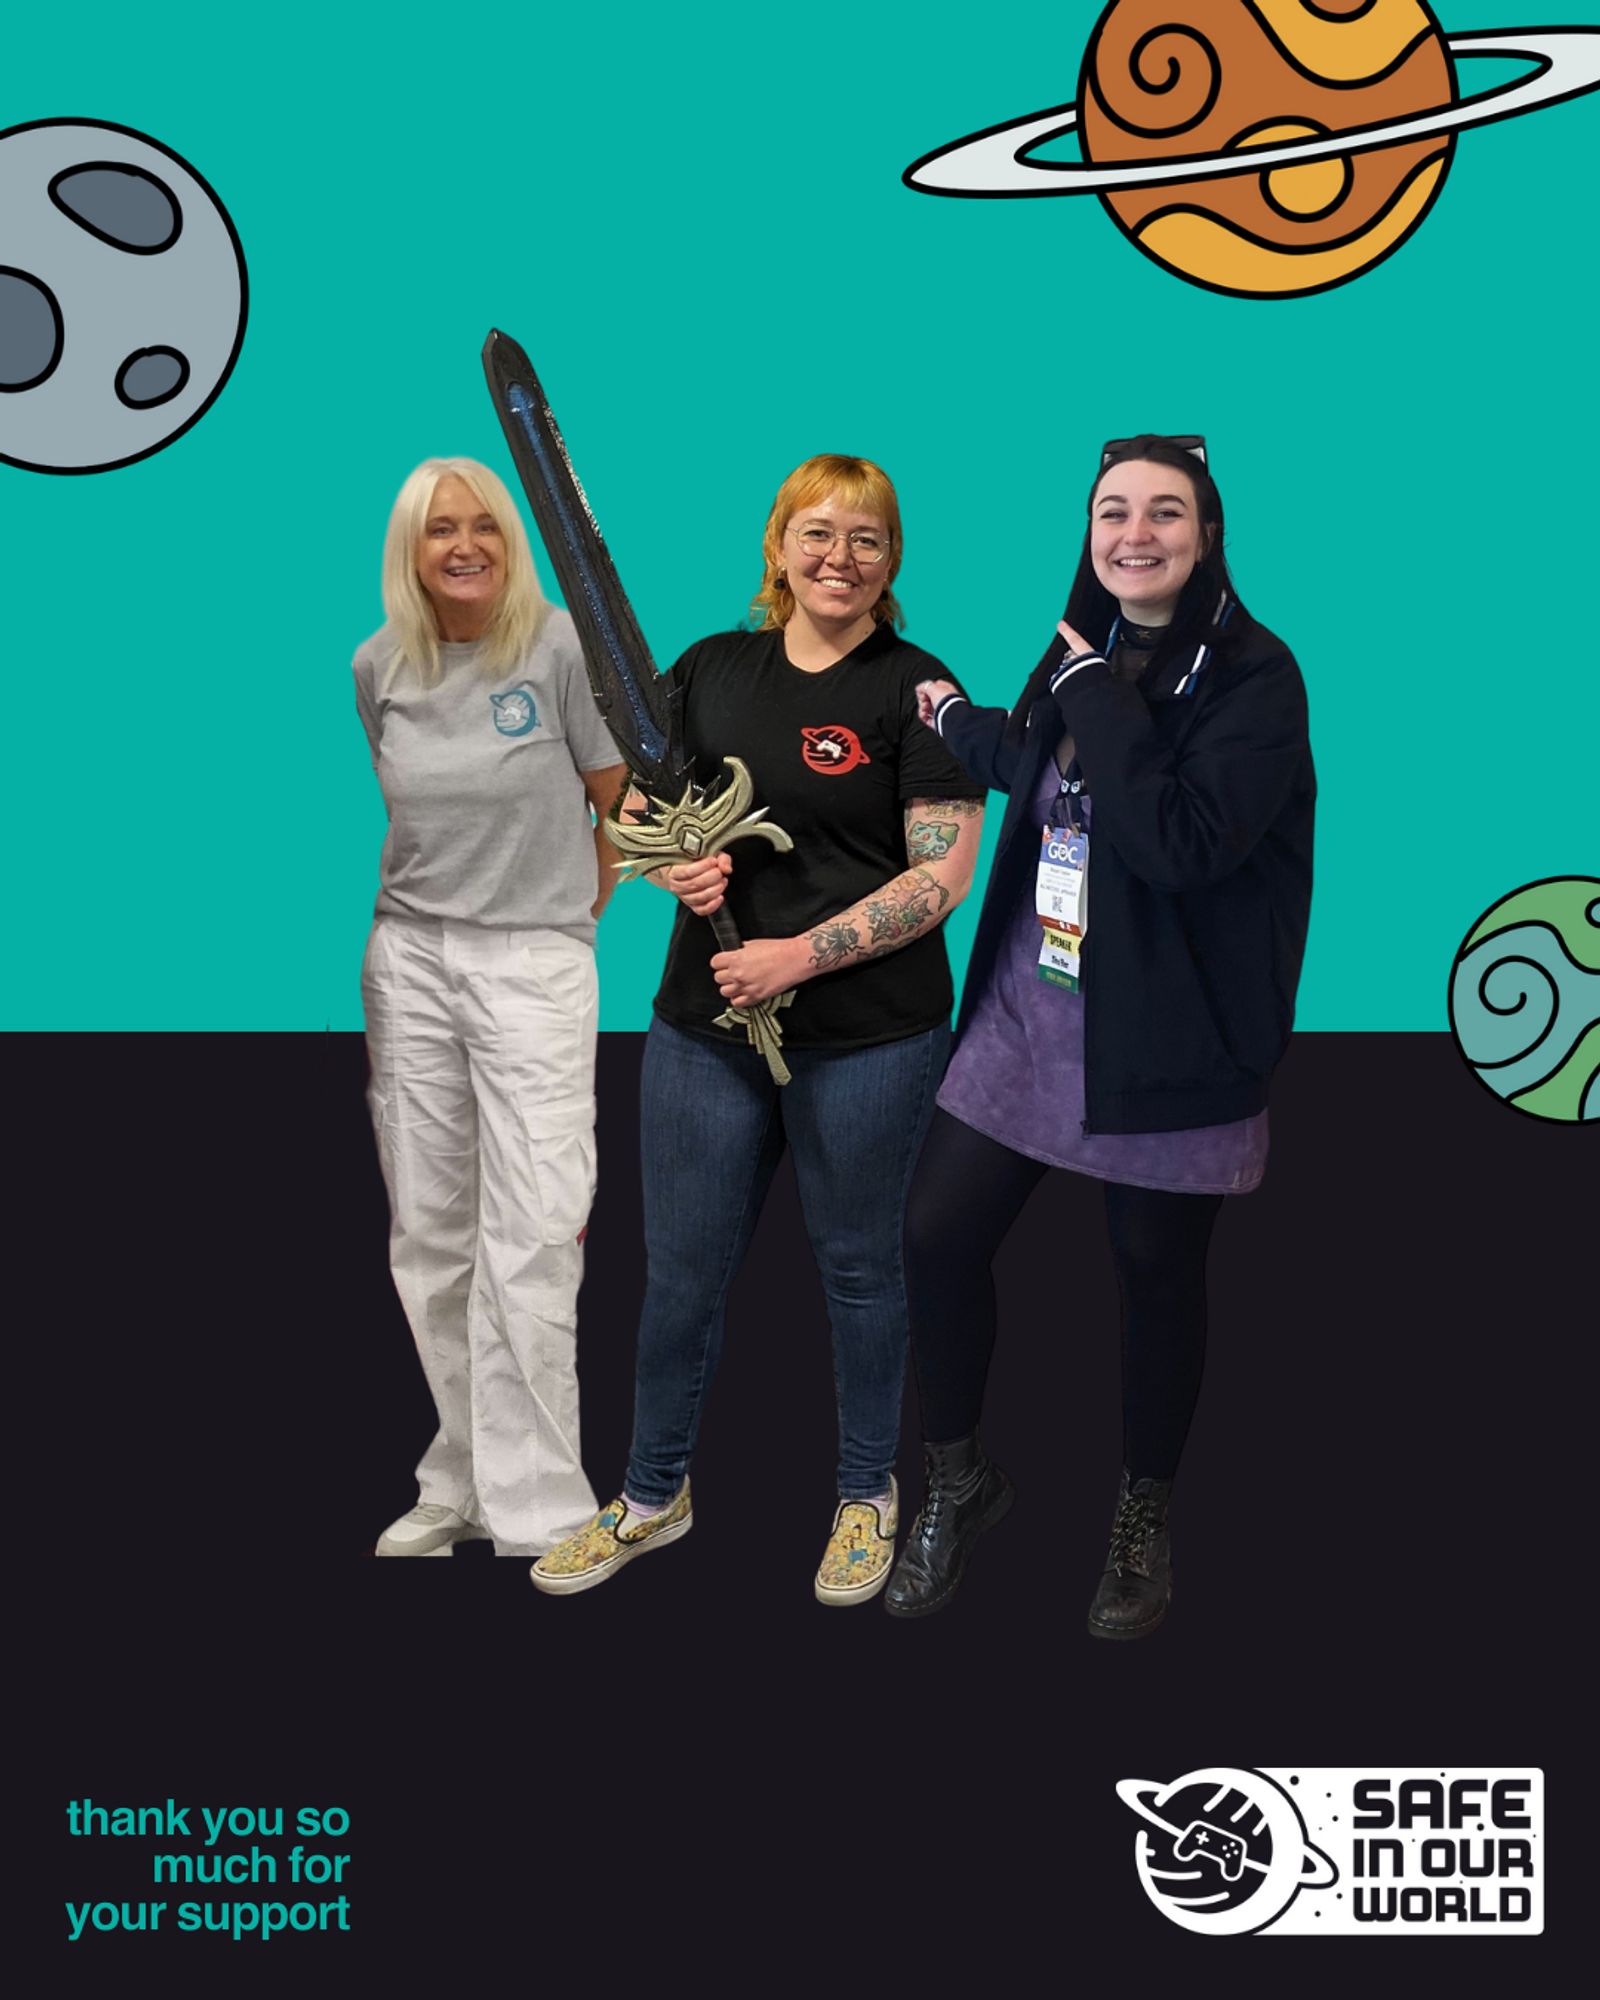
{"x": 1525, "y": 999}
{"x": 514, "y": 713}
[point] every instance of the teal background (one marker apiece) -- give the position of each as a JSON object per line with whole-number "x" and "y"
{"x": 693, "y": 219}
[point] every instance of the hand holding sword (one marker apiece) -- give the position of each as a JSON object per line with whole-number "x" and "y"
{"x": 699, "y": 884}
{"x": 682, "y": 821}
{"x": 762, "y": 967}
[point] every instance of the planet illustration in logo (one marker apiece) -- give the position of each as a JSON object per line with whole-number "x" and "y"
{"x": 831, "y": 749}
{"x": 122, "y": 296}
{"x": 1265, "y": 148}
{"x": 515, "y": 713}
{"x": 1525, "y": 999}
{"x": 1229, "y": 1851}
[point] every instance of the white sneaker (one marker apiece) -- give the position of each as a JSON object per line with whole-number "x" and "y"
{"x": 428, "y": 1530}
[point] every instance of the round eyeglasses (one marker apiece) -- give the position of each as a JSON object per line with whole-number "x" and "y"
{"x": 865, "y": 546}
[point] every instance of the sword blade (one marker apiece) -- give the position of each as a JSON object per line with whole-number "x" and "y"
{"x": 631, "y": 695}
{"x": 641, "y": 714}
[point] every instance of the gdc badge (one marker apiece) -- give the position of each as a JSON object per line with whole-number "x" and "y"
{"x": 1061, "y": 898}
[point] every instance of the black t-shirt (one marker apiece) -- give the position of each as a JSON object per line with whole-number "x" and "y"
{"x": 836, "y": 757}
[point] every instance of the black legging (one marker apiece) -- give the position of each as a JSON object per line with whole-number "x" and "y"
{"x": 965, "y": 1195}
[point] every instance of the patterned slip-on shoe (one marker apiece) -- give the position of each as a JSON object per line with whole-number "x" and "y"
{"x": 614, "y": 1537}
{"x": 860, "y": 1552}
{"x": 428, "y": 1530}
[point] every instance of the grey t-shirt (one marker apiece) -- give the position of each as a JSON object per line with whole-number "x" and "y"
{"x": 488, "y": 820}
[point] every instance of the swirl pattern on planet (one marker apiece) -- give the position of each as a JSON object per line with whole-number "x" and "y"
{"x": 1266, "y": 72}
{"x": 1525, "y": 999}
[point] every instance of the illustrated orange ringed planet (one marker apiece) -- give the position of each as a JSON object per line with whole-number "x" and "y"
{"x": 1344, "y": 111}
{"x": 993, "y": 162}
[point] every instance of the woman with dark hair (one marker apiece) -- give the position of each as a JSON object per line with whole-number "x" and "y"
{"x": 821, "y": 704}
{"x": 1130, "y": 991}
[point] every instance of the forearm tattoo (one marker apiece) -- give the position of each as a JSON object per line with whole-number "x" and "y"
{"x": 907, "y": 905}
{"x": 904, "y": 908}
{"x": 901, "y": 910}
{"x": 834, "y": 944}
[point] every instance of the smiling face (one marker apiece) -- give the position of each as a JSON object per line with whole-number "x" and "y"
{"x": 1145, "y": 537}
{"x": 835, "y": 589}
{"x": 461, "y": 559}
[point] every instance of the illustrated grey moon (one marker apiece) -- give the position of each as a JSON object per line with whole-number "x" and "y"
{"x": 123, "y": 296}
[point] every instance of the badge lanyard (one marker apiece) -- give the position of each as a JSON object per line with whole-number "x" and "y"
{"x": 1061, "y": 888}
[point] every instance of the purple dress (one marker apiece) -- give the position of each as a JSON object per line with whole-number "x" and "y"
{"x": 1017, "y": 1076}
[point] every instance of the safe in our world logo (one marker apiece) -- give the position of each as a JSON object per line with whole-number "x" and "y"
{"x": 1398, "y": 1852}
{"x": 832, "y": 749}
{"x": 514, "y": 713}
{"x": 1224, "y": 1851}
{"x": 1525, "y": 999}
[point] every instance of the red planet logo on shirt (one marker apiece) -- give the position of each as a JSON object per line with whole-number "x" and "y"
{"x": 832, "y": 749}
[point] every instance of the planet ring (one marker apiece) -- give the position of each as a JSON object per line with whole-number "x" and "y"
{"x": 991, "y": 162}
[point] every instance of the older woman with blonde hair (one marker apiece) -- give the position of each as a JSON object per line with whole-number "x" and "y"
{"x": 821, "y": 703}
{"x": 480, "y": 996}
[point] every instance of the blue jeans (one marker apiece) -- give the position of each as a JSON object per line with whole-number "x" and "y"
{"x": 713, "y": 1127}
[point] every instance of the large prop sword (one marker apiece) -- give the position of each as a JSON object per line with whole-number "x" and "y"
{"x": 681, "y": 821}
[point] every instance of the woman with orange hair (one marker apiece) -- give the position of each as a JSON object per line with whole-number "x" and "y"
{"x": 820, "y": 702}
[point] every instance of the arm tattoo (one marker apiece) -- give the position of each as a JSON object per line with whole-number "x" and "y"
{"x": 931, "y": 840}
{"x": 834, "y": 944}
{"x": 933, "y": 826}
{"x": 906, "y": 906}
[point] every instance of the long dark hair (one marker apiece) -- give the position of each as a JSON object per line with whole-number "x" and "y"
{"x": 1091, "y": 608}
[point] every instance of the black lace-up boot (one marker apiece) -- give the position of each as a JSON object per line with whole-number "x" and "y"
{"x": 966, "y": 1494}
{"x": 1137, "y": 1586}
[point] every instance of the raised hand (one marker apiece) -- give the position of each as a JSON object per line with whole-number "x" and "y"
{"x": 929, "y": 696}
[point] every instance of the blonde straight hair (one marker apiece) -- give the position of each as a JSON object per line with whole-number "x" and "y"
{"x": 519, "y": 610}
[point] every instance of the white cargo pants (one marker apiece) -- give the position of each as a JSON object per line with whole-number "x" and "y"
{"x": 482, "y": 1048}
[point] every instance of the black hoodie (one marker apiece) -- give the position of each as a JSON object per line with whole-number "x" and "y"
{"x": 1199, "y": 864}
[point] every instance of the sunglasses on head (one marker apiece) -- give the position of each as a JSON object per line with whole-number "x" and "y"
{"x": 1116, "y": 447}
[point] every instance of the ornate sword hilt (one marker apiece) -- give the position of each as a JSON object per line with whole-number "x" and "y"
{"x": 693, "y": 828}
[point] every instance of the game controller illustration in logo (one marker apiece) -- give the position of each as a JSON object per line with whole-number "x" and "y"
{"x": 832, "y": 749}
{"x": 1265, "y": 148}
{"x": 514, "y": 713}
{"x": 1200, "y": 1842}
{"x": 1525, "y": 999}
{"x": 1229, "y": 1853}
{"x": 122, "y": 296}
